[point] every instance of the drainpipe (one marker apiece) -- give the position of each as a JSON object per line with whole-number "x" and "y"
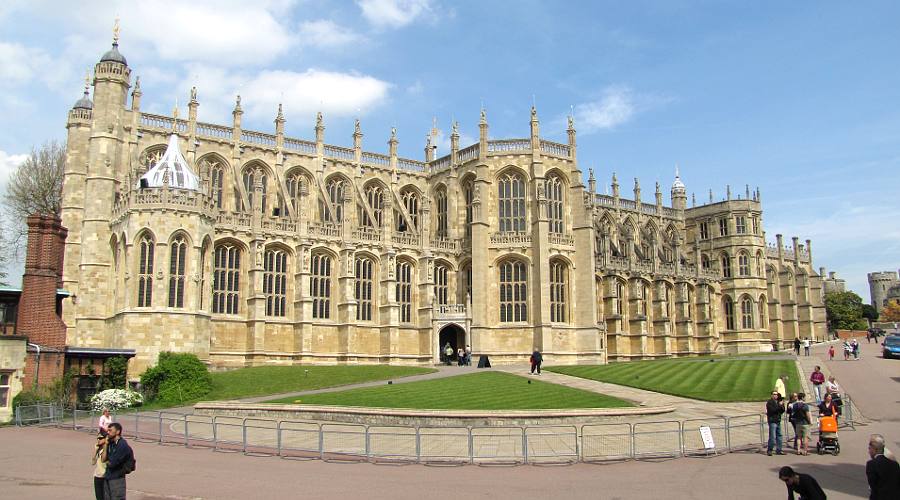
{"x": 37, "y": 363}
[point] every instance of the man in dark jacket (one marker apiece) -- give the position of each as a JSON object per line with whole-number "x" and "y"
{"x": 536, "y": 360}
{"x": 119, "y": 455}
{"x": 802, "y": 484}
{"x": 774, "y": 410}
{"x": 882, "y": 473}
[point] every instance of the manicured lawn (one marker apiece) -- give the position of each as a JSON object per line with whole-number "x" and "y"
{"x": 475, "y": 391}
{"x": 709, "y": 380}
{"x": 264, "y": 380}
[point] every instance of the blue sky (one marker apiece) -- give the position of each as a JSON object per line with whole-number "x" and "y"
{"x": 799, "y": 98}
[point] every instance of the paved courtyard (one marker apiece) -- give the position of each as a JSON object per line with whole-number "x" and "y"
{"x": 54, "y": 463}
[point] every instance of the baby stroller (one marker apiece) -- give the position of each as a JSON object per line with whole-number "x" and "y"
{"x": 828, "y": 438}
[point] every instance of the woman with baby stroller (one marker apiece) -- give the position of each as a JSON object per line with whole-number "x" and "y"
{"x": 828, "y": 426}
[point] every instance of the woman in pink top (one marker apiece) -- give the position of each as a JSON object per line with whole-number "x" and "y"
{"x": 104, "y": 422}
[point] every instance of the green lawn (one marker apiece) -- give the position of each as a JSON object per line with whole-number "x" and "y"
{"x": 265, "y": 380}
{"x": 709, "y": 380}
{"x": 475, "y": 391}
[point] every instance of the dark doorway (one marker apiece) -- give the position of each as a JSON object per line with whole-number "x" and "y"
{"x": 453, "y": 335}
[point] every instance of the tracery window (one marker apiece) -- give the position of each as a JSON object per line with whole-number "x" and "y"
{"x": 468, "y": 193}
{"x": 559, "y": 282}
{"x": 704, "y": 261}
{"x": 619, "y": 298}
{"x": 226, "y": 279}
{"x": 728, "y": 306}
{"x": 466, "y": 287}
{"x": 513, "y": 289}
{"x": 746, "y": 313}
{"x": 216, "y": 181}
{"x": 762, "y": 312}
{"x": 704, "y": 231}
{"x": 689, "y": 298}
{"x": 667, "y": 305}
{"x": 363, "y": 288}
{"x": 375, "y": 199}
{"x": 404, "y": 290}
{"x": 251, "y": 176}
{"x": 726, "y": 266}
{"x": 740, "y": 224}
{"x": 335, "y": 190}
{"x": 440, "y": 200}
{"x": 511, "y": 202}
{"x": 320, "y": 286}
{"x": 441, "y": 288}
{"x": 145, "y": 271}
{"x": 294, "y": 186}
{"x": 723, "y": 227}
{"x": 177, "y": 258}
{"x": 410, "y": 201}
{"x": 554, "y": 191}
{"x": 744, "y": 264}
{"x": 275, "y": 282}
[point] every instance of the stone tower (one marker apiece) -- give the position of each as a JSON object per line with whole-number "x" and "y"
{"x": 879, "y": 284}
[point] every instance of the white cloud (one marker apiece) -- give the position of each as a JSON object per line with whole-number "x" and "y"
{"x": 394, "y": 13}
{"x": 22, "y": 65}
{"x": 8, "y": 165}
{"x": 326, "y": 34}
{"x": 615, "y": 107}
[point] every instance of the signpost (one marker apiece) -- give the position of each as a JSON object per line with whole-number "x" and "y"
{"x": 709, "y": 443}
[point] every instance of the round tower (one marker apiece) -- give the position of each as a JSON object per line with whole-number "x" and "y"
{"x": 879, "y": 284}
{"x": 679, "y": 193}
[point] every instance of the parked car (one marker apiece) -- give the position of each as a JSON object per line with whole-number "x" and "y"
{"x": 891, "y": 346}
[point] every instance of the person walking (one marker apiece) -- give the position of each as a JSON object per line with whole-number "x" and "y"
{"x": 831, "y": 353}
{"x": 806, "y": 344}
{"x": 797, "y": 346}
{"x": 774, "y": 411}
{"x": 536, "y": 360}
{"x": 817, "y": 378}
{"x": 99, "y": 463}
{"x": 448, "y": 353}
{"x": 828, "y": 407}
{"x": 802, "y": 420}
{"x": 854, "y": 345}
{"x": 468, "y": 355}
{"x": 789, "y": 410}
{"x": 803, "y": 484}
{"x": 120, "y": 461}
{"x": 847, "y": 350}
{"x": 882, "y": 473}
{"x": 460, "y": 357}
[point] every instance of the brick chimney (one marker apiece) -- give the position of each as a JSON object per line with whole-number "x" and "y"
{"x": 40, "y": 313}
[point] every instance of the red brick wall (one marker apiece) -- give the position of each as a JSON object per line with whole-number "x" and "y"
{"x": 37, "y": 318}
{"x": 52, "y": 368}
{"x": 848, "y": 334}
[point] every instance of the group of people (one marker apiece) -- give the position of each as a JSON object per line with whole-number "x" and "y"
{"x": 805, "y": 343}
{"x": 851, "y": 348}
{"x": 112, "y": 459}
{"x": 463, "y": 356}
{"x": 798, "y": 411}
{"x": 882, "y": 474}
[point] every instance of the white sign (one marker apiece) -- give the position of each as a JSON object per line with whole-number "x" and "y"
{"x": 706, "y": 435}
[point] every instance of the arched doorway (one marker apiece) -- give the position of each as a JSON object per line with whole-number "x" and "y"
{"x": 455, "y": 336}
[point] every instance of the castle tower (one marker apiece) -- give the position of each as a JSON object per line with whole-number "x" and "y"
{"x": 679, "y": 193}
{"x": 879, "y": 284}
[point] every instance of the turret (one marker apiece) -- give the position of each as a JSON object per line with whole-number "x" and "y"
{"x": 679, "y": 193}
{"x": 637, "y": 192}
{"x": 483, "y": 134}
{"x": 570, "y": 131}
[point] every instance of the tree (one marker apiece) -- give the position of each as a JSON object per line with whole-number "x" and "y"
{"x": 844, "y": 311}
{"x": 869, "y": 312}
{"x": 34, "y": 188}
{"x": 891, "y": 311}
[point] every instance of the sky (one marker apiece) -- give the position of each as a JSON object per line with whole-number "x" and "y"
{"x": 801, "y": 99}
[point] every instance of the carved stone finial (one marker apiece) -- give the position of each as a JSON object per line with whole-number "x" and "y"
{"x": 116, "y": 31}
{"x": 87, "y": 81}
{"x": 393, "y": 133}
{"x": 137, "y": 84}
{"x": 193, "y": 94}
{"x": 237, "y": 104}
{"x": 319, "y": 120}
{"x": 571, "y": 121}
{"x": 483, "y": 115}
{"x": 533, "y": 113}
{"x": 280, "y": 115}
{"x": 356, "y": 127}
{"x": 454, "y": 129}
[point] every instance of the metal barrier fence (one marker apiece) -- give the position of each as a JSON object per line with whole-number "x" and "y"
{"x": 432, "y": 445}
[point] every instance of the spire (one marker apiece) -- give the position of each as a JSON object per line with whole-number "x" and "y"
{"x": 194, "y": 95}
{"x": 237, "y": 105}
{"x": 710, "y": 196}
{"x": 85, "y": 101}
{"x": 280, "y": 116}
{"x": 116, "y": 32}
{"x": 592, "y": 183}
{"x": 615, "y": 185}
{"x": 113, "y": 55}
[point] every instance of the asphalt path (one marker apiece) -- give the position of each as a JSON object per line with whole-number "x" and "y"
{"x": 50, "y": 463}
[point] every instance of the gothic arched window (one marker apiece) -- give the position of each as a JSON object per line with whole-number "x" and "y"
{"x": 554, "y": 191}
{"x": 177, "y": 258}
{"x": 511, "y": 202}
{"x": 216, "y": 181}
{"x": 295, "y": 184}
{"x": 405, "y": 290}
{"x": 335, "y": 190}
{"x": 728, "y": 306}
{"x": 744, "y": 264}
{"x": 226, "y": 279}
{"x": 468, "y": 192}
{"x": 513, "y": 291}
{"x": 440, "y": 200}
{"x": 410, "y": 201}
{"x": 145, "y": 271}
{"x": 275, "y": 282}
{"x": 375, "y": 199}
{"x": 726, "y": 265}
{"x": 747, "y": 313}
{"x": 441, "y": 288}
{"x": 362, "y": 288}
{"x": 251, "y": 177}
{"x": 320, "y": 286}
{"x": 559, "y": 283}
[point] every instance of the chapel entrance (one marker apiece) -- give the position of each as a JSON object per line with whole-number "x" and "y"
{"x": 453, "y": 335}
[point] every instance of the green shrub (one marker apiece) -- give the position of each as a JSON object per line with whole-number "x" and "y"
{"x": 58, "y": 392}
{"x": 176, "y": 378}
{"x": 116, "y": 376}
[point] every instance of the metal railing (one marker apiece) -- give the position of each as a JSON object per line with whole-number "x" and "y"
{"x": 508, "y": 444}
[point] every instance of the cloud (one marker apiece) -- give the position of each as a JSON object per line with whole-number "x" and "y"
{"x": 22, "y": 65}
{"x": 615, "y": 107}
{"x": 394, "y": 13}
{"x": 8, "y": 165}
{"x": 302, "y": 93}
{"x": 326, "y": 34}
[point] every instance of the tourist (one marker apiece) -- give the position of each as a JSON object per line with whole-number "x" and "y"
{"x": 797, "y": 346}
{"x": 802, "y": 420}
{"x": 780, "y": 386}
{"x": 536, "y": 360}
{"x": 802, "y": 484}
{"x": 882, "y": 473}
{"x": 847, "y": 350}
{"x": 789, "y": 409}
{"x": 832, "y": 387}
{"x": 817, "y": 378}
{"x": 448, "y": 353}
{"x": 468, "y": 355}
{"x": 460, "y": 356}
{"x": 806, "y": 344}
{"x": 854, "y": 346}
{"x": 828, "y": 407}
{"x": 120, "y": 461}
{"x": 831, "y": 353}
{"x": 103, "y": 423}
{"x": 99, "y": 463}
{"x": 774, "y": 410}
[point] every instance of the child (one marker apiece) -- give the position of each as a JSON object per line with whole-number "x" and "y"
{"x": 831, "y": 353}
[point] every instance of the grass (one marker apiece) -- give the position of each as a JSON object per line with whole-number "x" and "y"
{"x": 476, "y": 391}
{"x": 265, "y": 380}
{"x": 708, "y": 380}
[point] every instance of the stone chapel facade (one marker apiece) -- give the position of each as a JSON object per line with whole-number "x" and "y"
{"x": 252, "y": 248}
